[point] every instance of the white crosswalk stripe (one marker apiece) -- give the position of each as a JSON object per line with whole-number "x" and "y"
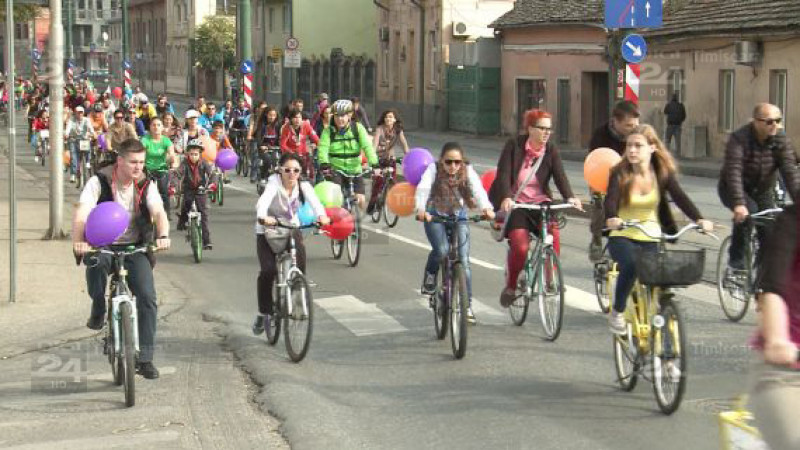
{"x": 362, "y": 319}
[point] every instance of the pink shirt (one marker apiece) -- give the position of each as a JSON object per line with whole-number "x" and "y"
{"x": 532, "y": 192}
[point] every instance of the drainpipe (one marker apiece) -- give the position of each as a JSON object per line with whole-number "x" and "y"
{"x": 380, "y": 5}
{"x": 421, "y": 60}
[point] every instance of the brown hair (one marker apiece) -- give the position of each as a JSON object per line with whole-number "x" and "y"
{"x": 625, "y": 108}
{"x": 444, "y": 188}
{"x": 662, "y": 162}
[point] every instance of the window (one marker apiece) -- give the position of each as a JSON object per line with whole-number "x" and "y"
{"x": 286, "y": 19}
{"x": 530, "y": 94}
{"x": 274, "y": 73}
{"x": 564, "y": 103}
{"x": 726, "y": 99}
{"x": 271, "y": 19}
{"x": 778, "y": 80}
{"x": 369, "y": 83}
{"x": 385, "y": 64}
{"x": 676, "y": 85}
{"x": 434, "y": 58}
{"x": 411, "y": 59}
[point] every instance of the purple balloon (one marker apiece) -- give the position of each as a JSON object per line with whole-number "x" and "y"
{"x": 101, "y": 142}
{"x": 227, "y": 159}
{"x": 106, "y": 223}
{"x": 415, "y": 163}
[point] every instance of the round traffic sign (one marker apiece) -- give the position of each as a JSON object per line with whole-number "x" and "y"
{"x": 634, "y": 48}
{"x": 292, "y": 43}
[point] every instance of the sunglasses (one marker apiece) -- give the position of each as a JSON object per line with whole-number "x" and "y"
{"x": 289, "y": 170}
{"x": 770, "y": 122}
{"x": 451, "y": 162}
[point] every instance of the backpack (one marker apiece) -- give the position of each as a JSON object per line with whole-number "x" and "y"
{"x": 336, "y": 136}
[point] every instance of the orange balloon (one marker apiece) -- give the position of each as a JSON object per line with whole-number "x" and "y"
{"x": 400, "y": 199}
{"x": 597, "y": 168}
{"x": 67, "y": 157}
{"x": 209, "y": 149}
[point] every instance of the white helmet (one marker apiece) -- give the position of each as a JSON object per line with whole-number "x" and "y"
{"x": 192, "y": 114}
{"x": 341, "y": 107}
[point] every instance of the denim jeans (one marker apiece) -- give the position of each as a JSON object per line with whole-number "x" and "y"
{"x": 437, "y": 236}
{"x": 254, "y": 158}
{"x": 73, "y": 156}
{"x": 623, "y": 251}
{"x": 740, "y": 235}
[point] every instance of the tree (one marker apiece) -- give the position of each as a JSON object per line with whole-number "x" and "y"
{"x": 215, "y": 42}
{"x": 22, "y": 13}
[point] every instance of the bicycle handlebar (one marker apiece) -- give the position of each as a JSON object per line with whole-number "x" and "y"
{"x": 766, "y": 214}
{"x": 542, "y": 206}
{"x": 439, "y": 218}
{"x": 668, "y": 237}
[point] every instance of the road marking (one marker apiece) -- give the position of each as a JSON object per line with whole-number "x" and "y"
{"x": 103, "y": 442}
{"x": 486, "y": 315}
{"x": 241, "y": 189}
{"x": 361, "y": 319}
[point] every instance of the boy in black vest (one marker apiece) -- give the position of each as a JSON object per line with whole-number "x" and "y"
{"x": 197, "y": 175}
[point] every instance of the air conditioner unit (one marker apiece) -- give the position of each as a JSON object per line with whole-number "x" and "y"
{"x": 383, "y": 34}
{"x": 460, "y": 29}
{"x": 747, "y": 53}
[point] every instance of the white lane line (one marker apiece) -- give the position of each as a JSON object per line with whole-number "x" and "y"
{"x": 241, "y": 189}
{"x": 361, "y": 319}
{"x": 485, "y": 314}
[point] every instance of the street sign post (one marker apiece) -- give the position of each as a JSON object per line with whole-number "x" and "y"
{"x": 634, "y": 48}
{"x": 292, "y": 59}
{"x": 247, "y": 81}
{"x": 247, "y": 66}
{"x": 292, "y": 44}
{"x": 634, "y": 13}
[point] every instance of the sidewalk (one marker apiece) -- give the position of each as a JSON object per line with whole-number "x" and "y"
{"x": 52, "y": 305}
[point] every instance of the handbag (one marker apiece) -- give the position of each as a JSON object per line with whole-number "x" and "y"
{"x": 499, "y": 234}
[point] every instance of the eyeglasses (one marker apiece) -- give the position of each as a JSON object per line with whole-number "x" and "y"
{"x": 290, "y": 170}
{"x": 543, "y": 129}
{"x": 451, "y": 162}
{"x": 770, "y": 121}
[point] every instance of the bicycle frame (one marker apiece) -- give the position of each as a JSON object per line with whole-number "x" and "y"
{"x": 121, "y": 294}
{"x": 287, "y": 268}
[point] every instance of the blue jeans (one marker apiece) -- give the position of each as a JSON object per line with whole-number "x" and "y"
{"x": 73, "y": 156}
{"x": 437, "y": 236}
{"x": 623, "y": 251}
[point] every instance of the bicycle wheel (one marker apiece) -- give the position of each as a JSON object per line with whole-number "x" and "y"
{"x": 299, "y": 322}
{"x": 196, "y": 240}
{"x": 519, "y": 309}
{"x": 732, "y": 288}
{"x": 128, "y": 353}
{"x": 626, "y": 359}
{"x": 354, "y": 241}
{"x": 441, "y": 302}
{"x": 549, "y": 289}
{"x": 43, "y": 153}
{"x": 377, "y": 210}
{"x": 337, "y": 248}
{"x": 221, "y": 195}
{"x": 668, "y": 350}
{"x": 117, "y": 368}
{"x": 388, "y": 216}
{"x": 273, "y": 330}
{"x": 459, "y": 302}
{"x": 86, "y": 171}
{"x": 604, "y": 284}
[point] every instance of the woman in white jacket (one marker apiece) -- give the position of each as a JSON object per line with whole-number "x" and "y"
{"x": 450, "y": 187}
{"x": 281, "y": 199}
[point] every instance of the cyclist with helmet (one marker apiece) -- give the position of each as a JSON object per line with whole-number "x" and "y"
{"x": 193, "y": 130}
{"x": 340, "y": 148}
{"x": 196, "y": 174}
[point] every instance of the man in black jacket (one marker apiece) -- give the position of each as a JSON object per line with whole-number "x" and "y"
{"x": 753, "y": 155}
{"x": 624, "y": 119}
{"x": 676, "y": 115}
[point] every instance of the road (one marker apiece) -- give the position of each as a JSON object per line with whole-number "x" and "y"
{"x": 376, "y": 377}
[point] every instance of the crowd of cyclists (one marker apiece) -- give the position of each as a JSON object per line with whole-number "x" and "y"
{"x": 147, "y": 148}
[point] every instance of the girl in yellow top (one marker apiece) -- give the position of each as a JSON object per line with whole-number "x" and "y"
{"x": 638, "y": 189}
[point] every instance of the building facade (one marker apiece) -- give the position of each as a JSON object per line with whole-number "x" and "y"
{"x": 415, "y": 39}
{"x": 148, "y": 44}
{"x": 89, "y": 33}
{"x": 182, "y": 17}
{"x": 27, "y": 37}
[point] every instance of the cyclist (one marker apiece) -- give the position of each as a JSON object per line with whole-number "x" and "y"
{"x": 239, "y": 119}
{"x": 108, "y": 109}
{"x": 163, "y": 106}
{"x": 160, "y": 157}
{"x": 282, "y": 198}
{"x": 624, "y": 119}
{"x": 98, "y": 119}
{"x": 125, "y": 183}
{"x": 196, "y": 173}
{"x": 145, "y": 112}
{"x": 40, "y": 123}
{"x": 77, "y": 129}
{"x": 449, "y": 187}
{"x": 340, "y": 148}
{"x": 775, "y": 393}
{"x": 324, "y": 120}
{"x": 172, "y": 129}
{"x": 120, "y": 131}
{"x": 294, "y": 138}
{"x": 638, "y": 189}
{"x": 524, "y": 170}
{"x": 359, "y": 114}
{"x": 267, "y": 135}
{"x": 137, "y": 123}
{"x": 209, "y": 117}
{"x": 753, "y": 155}
{"x": 252, "y": 140}
{"x": 388, "y": 134}
{"x": 193, "y": 130}
{"x": 226, "y": 112}
{"x": 319, "y": 107}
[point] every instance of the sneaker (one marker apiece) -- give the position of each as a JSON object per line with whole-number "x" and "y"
{"x": 36, "y": 158}
{"x": 208, "y": 247}
{"x": 72, "y": 178}
{"x": 673, "y": 372}
{"x": 147, "y": 370}
{"x": 258, "y": 325}
{"x": 507, "y": 297}
{"x": 96, "y": 322}
{"x": 471, "y": 316}
{"x": 616, "y": 322}
{"x": 429, "y": 284}
{"x": 595, "y": 251}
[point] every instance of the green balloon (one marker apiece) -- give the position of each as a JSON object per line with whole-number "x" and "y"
{"x": 330, "y": 194}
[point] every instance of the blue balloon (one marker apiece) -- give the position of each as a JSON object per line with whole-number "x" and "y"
{"x": 306, "y": 214}
{"x": 128, "y": 92}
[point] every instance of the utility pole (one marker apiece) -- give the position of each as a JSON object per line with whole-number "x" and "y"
{"x": 70, "y": 26}
{"x": 12, "y": 155}
{"x": 125, "y": 31}
{"x": 245, "y": 41}
{"x": 55, "y": 71}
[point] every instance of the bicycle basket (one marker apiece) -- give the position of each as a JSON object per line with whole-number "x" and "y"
{"x": 277, "y": 238}
{"x": 670, "y": 267}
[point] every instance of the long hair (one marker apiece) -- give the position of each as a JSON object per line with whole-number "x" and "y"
{"x": 662, "y": 162}
{"x": 398, "y": 123}
{"x": 445, "y": 187}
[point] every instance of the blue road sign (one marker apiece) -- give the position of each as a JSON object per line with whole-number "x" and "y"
{"x": 70, "y": 64}
{"x": 247, "y": 66}
{"x": 634, "y": 48}
{"x": 35, "y": 53}
{"x": 126, "y": 64}
{"x": 634, "y": 13}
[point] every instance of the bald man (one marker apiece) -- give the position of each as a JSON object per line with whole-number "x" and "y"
{"x": 753, "y": 156}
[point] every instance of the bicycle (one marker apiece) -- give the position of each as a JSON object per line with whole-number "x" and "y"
{"x": 240, "y": 145}
{"x": 194, "y": 229}
{"x": 218, "y": 196}
{"x": 450, "y": 300}
{"x": 121, "y": 340}
{"x": 84, "y": 162}
{"x": 389, "y": 175}
{"x": 655, "y": 322}
{"x": 736, "y": 288}
{"x": 541, "y": 278}
{"x": 296, "y": 316}
{"x": 268, "y": 159}
{"x": 350, "y": 204}
{"x": 43, "y": 145}
{"x": 175, "y": 191}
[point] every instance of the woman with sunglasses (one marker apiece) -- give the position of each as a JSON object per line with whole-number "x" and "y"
{"x": 524, "y": 170}
{"x": 282, "y": 199}
{"x": 120, "y": 131}
{"x": 449, "y": 187}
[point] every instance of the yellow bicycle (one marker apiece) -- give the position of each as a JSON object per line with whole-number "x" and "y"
{"x": 656, "y": 325}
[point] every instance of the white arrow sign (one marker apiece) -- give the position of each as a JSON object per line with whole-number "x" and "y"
{"x": 647, "y": 7}
{"x": 637, "y": 50}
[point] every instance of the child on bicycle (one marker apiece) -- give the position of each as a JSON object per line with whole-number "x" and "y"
{"x": 197, "y": 174}
{"x": 450, "y": 187}
{"x": 219, "y": 136}
{"x": 637, "y": 191}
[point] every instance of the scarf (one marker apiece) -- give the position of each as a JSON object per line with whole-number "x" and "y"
{"x": 532, "y": 153}
{"x": 194, "y": 169}
{"x": 449, "y": 191}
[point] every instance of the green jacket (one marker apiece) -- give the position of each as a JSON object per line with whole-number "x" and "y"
{"x": 343, "y": 150}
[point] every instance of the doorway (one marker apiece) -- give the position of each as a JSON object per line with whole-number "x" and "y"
{"x": 531, "y": 93}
